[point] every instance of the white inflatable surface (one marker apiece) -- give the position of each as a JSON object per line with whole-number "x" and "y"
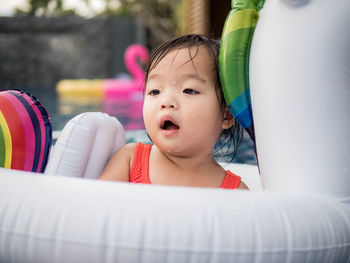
{"x": 300, "y": 92}
{"x": 62, "y": 219}
{"x": 47, "y": 218}
{"x": 85, "y": 145}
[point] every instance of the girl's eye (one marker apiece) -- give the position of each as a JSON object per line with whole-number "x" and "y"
{"x": 191, "y": 91}
{"x": 154, "y": 92}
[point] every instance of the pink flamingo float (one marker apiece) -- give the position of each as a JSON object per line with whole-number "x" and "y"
{"x": 125, "y": 87}
{"x": 110, "y": 88}
{"x": 120, "y": 97}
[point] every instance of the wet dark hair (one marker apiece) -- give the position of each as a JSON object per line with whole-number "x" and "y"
{"x": 229, "y": 138}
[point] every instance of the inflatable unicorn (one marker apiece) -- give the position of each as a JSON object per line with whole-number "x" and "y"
{"x": 300, "y": 211}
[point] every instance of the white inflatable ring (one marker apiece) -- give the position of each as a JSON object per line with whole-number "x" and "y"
{"x": 62, "y": 219}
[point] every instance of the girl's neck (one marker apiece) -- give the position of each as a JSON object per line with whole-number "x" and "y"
{"x": 198, "y": 170}
{"x": 189, "y": 163}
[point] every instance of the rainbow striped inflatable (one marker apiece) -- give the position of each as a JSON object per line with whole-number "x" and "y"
{"x": 234, "y": 59}
{"x": 25, "y": 132}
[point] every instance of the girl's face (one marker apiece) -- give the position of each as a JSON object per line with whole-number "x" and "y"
{"x": 181, "y": 110}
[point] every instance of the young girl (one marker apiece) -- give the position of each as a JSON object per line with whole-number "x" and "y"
{"x": 185, "y": 114}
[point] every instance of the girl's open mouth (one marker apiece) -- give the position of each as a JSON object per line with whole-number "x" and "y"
{"x": 169, "y": 125}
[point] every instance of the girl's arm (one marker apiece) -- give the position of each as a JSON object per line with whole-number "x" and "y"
{"x": 118, "y": 167}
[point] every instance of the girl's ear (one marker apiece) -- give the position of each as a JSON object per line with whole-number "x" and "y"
{"x": 228, "y": 119}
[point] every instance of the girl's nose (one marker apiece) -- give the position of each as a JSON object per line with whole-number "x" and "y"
{"x": 167, "y": 104}
{"x": 169, "y": 101}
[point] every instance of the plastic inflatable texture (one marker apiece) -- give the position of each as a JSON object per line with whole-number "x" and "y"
{"x": 25, "y": 132}
{"x": 63, "y": 219}
{"x": 234, "y": 59}
{"x": 300, "y": 91}
{"x": 85, "y": 145}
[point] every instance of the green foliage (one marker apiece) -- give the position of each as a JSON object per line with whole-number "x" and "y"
{"x": 45, "y": 8}
{"x": 163, "y": 18}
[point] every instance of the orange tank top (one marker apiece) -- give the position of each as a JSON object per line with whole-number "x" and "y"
{"x": 140, "y": 167}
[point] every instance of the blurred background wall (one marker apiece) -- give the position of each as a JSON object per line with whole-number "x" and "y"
{"x": 44, "y": 41}
{"x": 39, "y": 51}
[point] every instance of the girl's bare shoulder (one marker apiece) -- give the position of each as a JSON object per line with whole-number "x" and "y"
{"x": 118, "y": 166}
{"x": 128, "y": 148}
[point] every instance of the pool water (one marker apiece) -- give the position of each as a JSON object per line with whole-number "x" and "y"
{"x": 128, "y": 112}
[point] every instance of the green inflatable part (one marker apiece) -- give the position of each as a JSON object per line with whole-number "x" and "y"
{"x": 234, "y": 59}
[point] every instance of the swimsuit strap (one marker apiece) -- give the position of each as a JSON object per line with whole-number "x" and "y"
{"x": 140, "y": 164}
{"x": 140, "y": 167}
{"x": 231, "y": 181}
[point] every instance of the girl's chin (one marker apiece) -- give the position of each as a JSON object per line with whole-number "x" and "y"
{"x": 173, "y": 149}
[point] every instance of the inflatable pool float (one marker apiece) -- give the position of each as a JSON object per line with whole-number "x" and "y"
{"x": 299, "y": 212}
{"x": 60, "y": 217}
{"x": 110, "y": 88}
{"x": 25, "y": 132}
{"x": 122, "y": 97}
